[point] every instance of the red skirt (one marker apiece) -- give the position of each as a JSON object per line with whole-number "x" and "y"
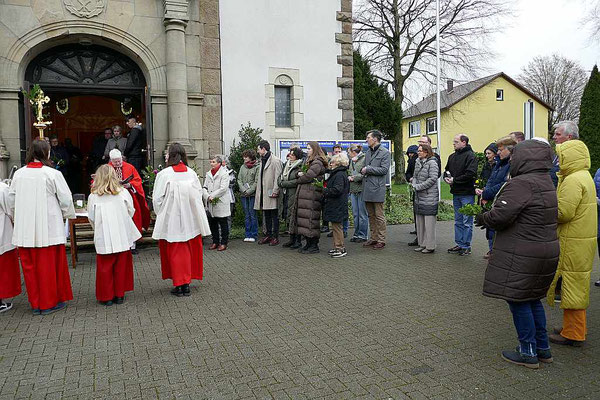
{"x": 181, "y": 261}
{"x": 114, "y": 275}
{"x": 46, "y": 273}
{"x": 10, "y": 275}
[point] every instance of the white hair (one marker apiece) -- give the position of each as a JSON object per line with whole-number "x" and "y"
{"x": 569, "y": 128}
{"x": 115, "y": 154}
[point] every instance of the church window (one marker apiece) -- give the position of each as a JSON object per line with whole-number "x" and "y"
{"x": 283, "y": 106}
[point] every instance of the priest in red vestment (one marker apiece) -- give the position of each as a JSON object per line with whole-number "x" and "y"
{"x": 132, "y": 181}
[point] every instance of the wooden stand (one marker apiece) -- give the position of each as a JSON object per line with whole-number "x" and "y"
{"x": 73, "y": 237}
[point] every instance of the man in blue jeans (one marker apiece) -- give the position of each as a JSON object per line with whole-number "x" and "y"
{"x": 460, "y": 173}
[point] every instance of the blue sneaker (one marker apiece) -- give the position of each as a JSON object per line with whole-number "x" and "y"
{"x": 37, "y": 311}
{"x": 57, "y": 307}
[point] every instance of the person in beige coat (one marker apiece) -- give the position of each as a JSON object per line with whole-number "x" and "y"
{"x": 217, "y": 197}
{"x": 267, "y": 192}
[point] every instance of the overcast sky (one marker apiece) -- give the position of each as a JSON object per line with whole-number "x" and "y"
{"x": 544, "y": 27}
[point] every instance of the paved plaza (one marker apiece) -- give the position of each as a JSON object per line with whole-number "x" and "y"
{"x": 267, "y": 323}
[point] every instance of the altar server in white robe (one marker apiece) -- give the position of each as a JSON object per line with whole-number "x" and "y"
{"x": 180, "y": 221}
{"x": 110, "y": 211}
{"x": 40, "y": 201}
{"x": 10, "y": 275}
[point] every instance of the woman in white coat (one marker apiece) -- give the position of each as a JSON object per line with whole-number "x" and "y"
{"x": 217, "y": 197}
{"x": 110, "y": 212}
{"x": 180, "y": 221}
{"x": 40, "y": 201}
{"x": 10, "y": 276}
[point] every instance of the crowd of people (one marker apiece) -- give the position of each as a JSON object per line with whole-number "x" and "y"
{"x": 538, "y": 208}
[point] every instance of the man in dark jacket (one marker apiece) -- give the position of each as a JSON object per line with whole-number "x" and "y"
{"x": 460, "y": 173}
{"x": 526, "y": 249}
{"x": 135, "y": 143}
{"x": 376, "y": 172}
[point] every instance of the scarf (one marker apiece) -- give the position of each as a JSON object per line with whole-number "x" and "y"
{"x": 250, "y": 164}
{"x": 289, "y": 166}
{"x": 215, "y": 169}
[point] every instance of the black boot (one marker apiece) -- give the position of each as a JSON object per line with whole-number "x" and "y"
{"x": 297, "y": 243}
{"x": 291, "y": 242}
{"x": 313, "y": 246}
{"x": 303, "y": 249}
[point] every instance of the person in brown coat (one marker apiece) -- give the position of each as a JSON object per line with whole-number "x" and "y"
{"x": 307, "y": 210}
{"x": 267, "y": 192}
{"x": 525, "y": 250}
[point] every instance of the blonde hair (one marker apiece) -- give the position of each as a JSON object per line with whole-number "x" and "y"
{"x": 106, "y": 181}
{"x": 339, "y": 159}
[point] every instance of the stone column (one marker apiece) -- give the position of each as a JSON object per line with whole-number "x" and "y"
{"x": 175, "y": 21}
{"x": 4, "y": 157}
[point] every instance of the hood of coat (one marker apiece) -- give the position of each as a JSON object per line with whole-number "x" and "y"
{"x": 530, "y": 156}
{"x": 573, "y": 156}
{"x": 336, "y": 170}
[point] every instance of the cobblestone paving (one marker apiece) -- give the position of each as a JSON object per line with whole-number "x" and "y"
{"x": 269, "y": 323}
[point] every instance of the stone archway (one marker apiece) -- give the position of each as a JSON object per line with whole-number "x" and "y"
{"x": 150, "y": 73}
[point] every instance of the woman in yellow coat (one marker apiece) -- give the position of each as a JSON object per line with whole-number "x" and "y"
{"x": 577, "y": 231}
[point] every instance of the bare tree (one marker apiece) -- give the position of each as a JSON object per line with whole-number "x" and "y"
{"x": 593, "y": 21}
{"x": 559, "y": 82}
{"x": 398, "y": 38}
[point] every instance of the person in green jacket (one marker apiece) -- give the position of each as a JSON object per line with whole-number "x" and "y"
{"x": 577, "y": 231}
{"x": 359, "y": 211}
{"x": 247, "y": 185}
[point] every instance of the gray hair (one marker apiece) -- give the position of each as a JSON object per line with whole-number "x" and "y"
{"x": 217, "y": 157}
{"x": 568, "y": 127}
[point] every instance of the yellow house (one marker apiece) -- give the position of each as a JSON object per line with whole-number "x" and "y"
{"x": 485, "y": 109}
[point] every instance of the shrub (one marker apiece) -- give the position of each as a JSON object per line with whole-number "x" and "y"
{"x": 249, "y": 138}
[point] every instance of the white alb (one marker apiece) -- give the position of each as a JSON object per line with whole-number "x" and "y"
{"x": 111, "y": 219}
{"x": 40, "y": 201}
{"x": 177, "y": 202}
{"x": 6, "y": 227}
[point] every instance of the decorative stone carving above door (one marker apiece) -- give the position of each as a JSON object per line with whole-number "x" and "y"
{"x": 85, "y": 8}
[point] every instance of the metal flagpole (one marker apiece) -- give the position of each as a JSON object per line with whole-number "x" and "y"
{"x": 438, "y": 109}
{"x": 437, "y": 55}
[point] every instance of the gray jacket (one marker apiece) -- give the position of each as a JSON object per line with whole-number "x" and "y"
{"x": 354, "y": 170}
{"x": 425, "y": 184}
{"x": 377, "y": 164}
{"x": 115, "y": 143}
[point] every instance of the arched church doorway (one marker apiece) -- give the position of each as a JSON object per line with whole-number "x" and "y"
{"x": 91, "y": 88}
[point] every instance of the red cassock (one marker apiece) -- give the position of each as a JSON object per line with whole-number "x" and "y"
{"x": 181, "y": 261}
{"x": 141, "y": 218}
{"x": 10, "y": 275}
{"x": 114, "y": 275}
{"x": 46, "y": 273}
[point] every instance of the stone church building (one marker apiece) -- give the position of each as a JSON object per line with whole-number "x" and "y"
{"x": 192, "y": 71}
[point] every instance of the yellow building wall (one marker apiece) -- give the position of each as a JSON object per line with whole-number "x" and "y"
{"x": 482, "y": 118}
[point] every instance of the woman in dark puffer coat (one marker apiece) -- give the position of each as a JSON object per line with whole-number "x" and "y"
{"x": 335, "y": 201}
{"x": 307, "y": 210}
{"x": 526, "y": 248}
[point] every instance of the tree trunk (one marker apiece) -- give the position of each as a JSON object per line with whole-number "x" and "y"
{"x": 399, "y": 177}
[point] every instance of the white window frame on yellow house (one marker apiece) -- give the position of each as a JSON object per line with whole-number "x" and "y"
{"x": 427, "y": 121}
{"x": 411, "y": 132}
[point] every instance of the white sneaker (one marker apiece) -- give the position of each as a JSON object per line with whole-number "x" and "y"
{"x": 251, "y": 240}
{"x": 5, "y": 306}
{"x": 246, "y": 239}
